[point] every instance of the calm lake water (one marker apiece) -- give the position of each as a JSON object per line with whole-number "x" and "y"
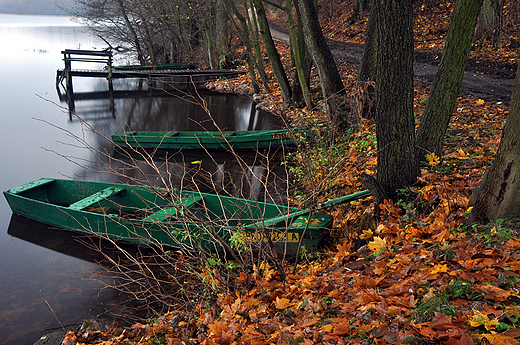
{"x": 38, "y": 291}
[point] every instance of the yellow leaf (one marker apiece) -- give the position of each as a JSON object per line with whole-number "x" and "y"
{"x": 433, "y": 159}
{"x": 440, "y": 268}
{"x": 480, "y": 102}
{"x": 480, "y": 319}
{"x": 498, "y": 339}
{"x": 366, "y": 235}
{"x": 377, "y": 244}
{"x": 196, "y": 162}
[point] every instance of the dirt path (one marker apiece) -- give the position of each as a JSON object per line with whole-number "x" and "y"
{"x": 486, "y": 80}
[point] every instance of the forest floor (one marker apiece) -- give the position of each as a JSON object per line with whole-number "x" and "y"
{"x": 419, "y": 278}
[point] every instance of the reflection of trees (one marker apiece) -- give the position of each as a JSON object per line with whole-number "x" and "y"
{"x": 159, "y": 108}
{"x": 247, "y": 175}
{"x": 249, "y": 179}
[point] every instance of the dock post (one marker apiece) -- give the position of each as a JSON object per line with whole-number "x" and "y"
{"x": 109, "y": 77}
{"x": 68, "y": 76}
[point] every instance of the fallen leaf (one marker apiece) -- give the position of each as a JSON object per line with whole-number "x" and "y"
{"x": 440, "y": 268}
{"x": 493, "y": 293}
{"x": 479, "y": 319}
{"x": 327, "y": 328}
{"x": 498, "y": 339}
{"x": 282, "y": 303}
{"x": 377, "y": 244}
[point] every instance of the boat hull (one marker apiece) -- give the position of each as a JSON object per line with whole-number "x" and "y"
{"x": 159, "y": 217}
{"x": 187, "y": 140}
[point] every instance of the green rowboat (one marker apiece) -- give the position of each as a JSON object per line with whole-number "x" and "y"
{"x": 211, "y": 140}
{"x": 155, "y": 216}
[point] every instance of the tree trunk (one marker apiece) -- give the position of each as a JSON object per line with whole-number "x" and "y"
{"x": 338, "y": 107}
{"x": 244, "y": 36}
{"x": 446, "y": 84}
{"x": 498, "y": 194}
{"x": 395, "y": 125}
{"x": 221, "y": 28}
{"x": 490, "y": 20}
{"x": 272, "y": 53}
{"x": 299, "y": 52}
{"x": 132, "y": 32}
{"x": 259, "y": 59}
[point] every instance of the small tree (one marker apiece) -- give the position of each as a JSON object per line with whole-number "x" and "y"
{"x": 447, "y": 81}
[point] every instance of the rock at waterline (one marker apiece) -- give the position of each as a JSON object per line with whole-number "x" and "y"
{"x": 54, "y": 338}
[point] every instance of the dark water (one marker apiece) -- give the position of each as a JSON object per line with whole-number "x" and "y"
{"x": 44, "y": 274}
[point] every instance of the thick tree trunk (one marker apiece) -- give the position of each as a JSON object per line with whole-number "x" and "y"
{"x": 446, "y": 84}
{"x": 498, "y": 194}
{"x": 272, "y": 53}
{"x": 395, "y": 125}
{"x": 338, "y": 107}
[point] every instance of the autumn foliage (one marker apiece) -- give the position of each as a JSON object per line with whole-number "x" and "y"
{"x": 415, "y": 277}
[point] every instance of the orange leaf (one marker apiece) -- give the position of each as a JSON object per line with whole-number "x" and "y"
{"x": 327, "y": 328}
{"x": 282, "y": 303}
{"x": 334, "y": 294}
{"x": 494, "y": 293}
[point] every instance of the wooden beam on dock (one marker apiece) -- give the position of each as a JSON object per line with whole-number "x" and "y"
{"x": 154, "y": 73}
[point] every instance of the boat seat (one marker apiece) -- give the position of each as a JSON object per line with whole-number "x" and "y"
{"x": 31, "y": 185}
{"x": 171, "y": 211}
{"x": 95, "y": 198}
{"x": 172, "y": 134}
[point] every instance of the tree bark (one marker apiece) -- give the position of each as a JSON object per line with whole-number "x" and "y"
{"x": 395, "y": 123}
{"x": 490, "y": 20}
{"x": 498, "y": 194}
{"x": 299, "y": 54}
{"x": 259, "y": 59}
{"x": 446, "y": 84}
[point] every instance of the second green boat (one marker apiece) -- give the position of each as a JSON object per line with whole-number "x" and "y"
{"x": 226, "y": 140}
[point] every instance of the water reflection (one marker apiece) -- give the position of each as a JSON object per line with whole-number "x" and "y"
{"x": 253, "y": 176}
{"x": 107, "y": 302}
{"x": 250, "y": 175}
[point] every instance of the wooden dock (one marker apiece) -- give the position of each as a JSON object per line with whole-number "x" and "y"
{"x": 190, "y": 75}
{"x": 178, "y": 75}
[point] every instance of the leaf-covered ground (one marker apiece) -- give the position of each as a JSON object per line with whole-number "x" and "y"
{"x": 416, "y": 277}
